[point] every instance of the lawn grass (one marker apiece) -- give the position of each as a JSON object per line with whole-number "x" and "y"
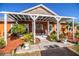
{"x": 76, "y": 48}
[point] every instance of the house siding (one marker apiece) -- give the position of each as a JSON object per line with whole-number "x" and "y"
{"x": 39, "y": 10}
{"x": 2, "y": 27}
{"x": 45, "y": 26}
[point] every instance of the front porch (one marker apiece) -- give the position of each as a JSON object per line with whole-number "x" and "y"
{"x": 36, "y": 24}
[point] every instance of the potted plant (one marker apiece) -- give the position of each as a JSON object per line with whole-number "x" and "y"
{"x": 52, "y": 36}
{"x": 2, "y": 42}
{"x": 28, "y": 38}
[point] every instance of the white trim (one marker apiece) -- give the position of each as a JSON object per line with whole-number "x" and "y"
{"x": 11, "y": 25}
{"x": 24, "y": 17}
{"x": 52, "y": 12}
{"x": 34, "y": 29}
{"x": 41, "y": 18}
{"x": 57, "y": 30}
{"x": 34, "y": 17}
{"x": 37, "y": 15}
{"x": 19, "y": 17}
{"x": 11, "y": 17}
{"x": 32, "y": 26}
{"x": 45, "y": 18}
{"x": 48, "y": 28}
{"x": 5, "y": 28}
{"x": 58, "y": 25}
{"x": 15, "y": 17}
{"x": 73, "y": 28}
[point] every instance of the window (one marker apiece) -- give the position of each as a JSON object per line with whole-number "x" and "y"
{"x": 50, "y": 27}
{"x": 27, "y": 28}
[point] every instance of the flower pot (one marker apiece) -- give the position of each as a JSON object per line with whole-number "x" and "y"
{"x": 65, "y": 41}
{"x": 37, "y": 40}
{"x": 26, "y": 45}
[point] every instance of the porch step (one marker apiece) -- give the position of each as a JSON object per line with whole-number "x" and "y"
{"x": 41, "y": 36}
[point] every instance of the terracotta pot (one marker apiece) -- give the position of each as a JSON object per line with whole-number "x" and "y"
{"x": 37, "y": 40}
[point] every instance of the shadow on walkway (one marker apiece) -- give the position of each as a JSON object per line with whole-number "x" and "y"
{"x": 58, "y": 51}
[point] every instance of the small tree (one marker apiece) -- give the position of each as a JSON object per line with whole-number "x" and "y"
{"x": 18, "y": 29}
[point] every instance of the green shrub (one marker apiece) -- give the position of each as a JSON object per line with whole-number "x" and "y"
{"x": 28, "y": 37}
{"x": 18, "y": 28}
{"x": 53, "y": 36}
{"x": 77, "y": 35}
{"x": 2, "y": 42}
{"x": 62, "y": 36}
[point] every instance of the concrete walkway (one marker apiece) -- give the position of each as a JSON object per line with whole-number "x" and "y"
{"x": 43, "y": 45}
{"x": 60, "y": 51}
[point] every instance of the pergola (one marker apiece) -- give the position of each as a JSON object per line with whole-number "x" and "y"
{"x": 24, "y": 16}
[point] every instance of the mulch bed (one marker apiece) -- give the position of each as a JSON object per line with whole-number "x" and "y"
{"x": 12, "y": 44}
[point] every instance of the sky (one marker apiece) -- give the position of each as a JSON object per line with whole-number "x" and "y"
{"x": 62, "y": 9}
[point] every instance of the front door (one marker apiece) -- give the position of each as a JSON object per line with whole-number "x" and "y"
{"x": 27, "y": 28}
{"x": 39, "y": 29}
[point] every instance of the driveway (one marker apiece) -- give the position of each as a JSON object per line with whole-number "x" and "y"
{"x": 63, "y": 51}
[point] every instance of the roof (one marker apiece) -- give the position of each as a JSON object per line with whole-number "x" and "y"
{"x": 42, "y": 6}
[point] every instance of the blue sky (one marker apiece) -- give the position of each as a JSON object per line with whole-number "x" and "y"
{"x": 63, "y": 9}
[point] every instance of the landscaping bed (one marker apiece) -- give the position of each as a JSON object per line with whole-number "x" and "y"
{"x": 74, "y": 48}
